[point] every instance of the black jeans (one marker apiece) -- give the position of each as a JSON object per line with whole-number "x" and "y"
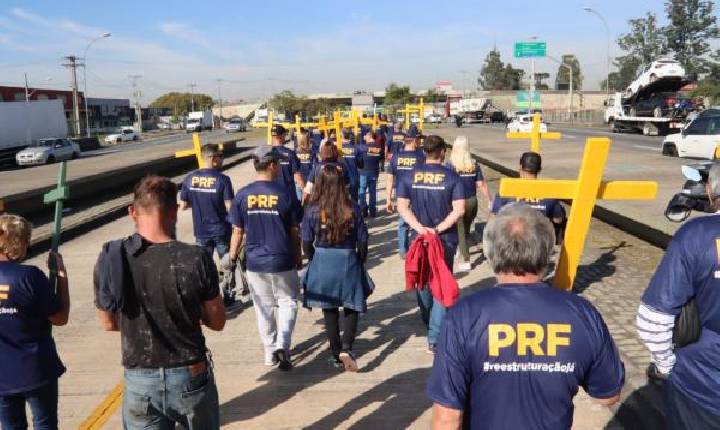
{"x": 332, "y": 329}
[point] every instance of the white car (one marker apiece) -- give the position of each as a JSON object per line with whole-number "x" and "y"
{"x": 523, "y": 124}
{"x": 433, "y": 119}
{"x": 235, "y": 125}
{"x": 47, "y": 151}
{"x": 123, "y": 135}
{"x": 699, "y": 139}
{"x": 661, "y": 69}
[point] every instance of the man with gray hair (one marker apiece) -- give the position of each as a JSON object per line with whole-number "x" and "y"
{"x": 513, "y": 356}
{"x": 689, "y": 272}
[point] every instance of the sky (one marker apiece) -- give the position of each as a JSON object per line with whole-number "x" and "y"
{"x": 257, "y": 48}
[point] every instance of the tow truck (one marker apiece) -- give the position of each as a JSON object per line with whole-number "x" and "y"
{"x": 665, "y": 109}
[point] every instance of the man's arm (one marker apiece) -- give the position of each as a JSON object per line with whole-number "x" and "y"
{"x": 297, "y": 246}
{"x": 185, "y": 205}
{"x": 482, "y": 186}
{"x": 458, "y": 210}
{"x": 446, "y": 418}
{"x": 108, "y": 320}
{"x": 213, "y": 313}
{"x": 61, "y": 317}
{"x": 228, "y": 204}
{"x": 235, "y": 242}
{"x": 403, "y": 206}
{"x": 609, "y": 401}
{"x": 299, "y": 180}
{"x": 390, "y": 179}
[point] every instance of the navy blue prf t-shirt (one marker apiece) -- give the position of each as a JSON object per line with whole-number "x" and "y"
{"x": 307, "y": 161}
{"x": 432, "y": 188}
{"x": 691, "y": 269}
{"x": 551, "y": 208}
{"x": 289, "y": 165}
{"x": 513, "y": 357}
{"x": 314, "y": 231}
{"x": 470, "y": 178}
{"x": 207, "y": 190}
{"x": 373, "y": 156}
{"x": 267, "y": 211}
{"x": 403, "y": 162}
{"x": 351, "y": 155}
{"x": 341, "y": 165}
{"x": 28, "y": 357}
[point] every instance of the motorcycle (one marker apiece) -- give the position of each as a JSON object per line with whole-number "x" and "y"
{"x": 693, "y": 196}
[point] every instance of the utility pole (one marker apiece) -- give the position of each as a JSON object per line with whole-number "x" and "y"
{"x": 27, "y": 93}
{"x": 219, "y": 81}
{"x": 192, "y": 96}
{"x": 73, "y": 64}
{"x": 136, "y": 95}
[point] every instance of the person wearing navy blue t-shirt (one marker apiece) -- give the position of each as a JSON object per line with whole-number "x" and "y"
{"x": 328, "y": 155}
{"x": 267, "y": 215}
{"x": 688, "y": 273}
{"x": 351, "y": 155}
{"x": 514, "y": 355}
{"x": 290, "y": 175}
{"x": 401, "y": 165}
{"x": 209, "y": 193}
{"x": 373, "y": 156}
{"x": 29, "y": 307}
{"x": 431, "y": 199}
{"x": 308, "y": 157}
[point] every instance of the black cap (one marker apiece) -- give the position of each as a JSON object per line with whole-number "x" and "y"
{"x": 266, "y": 153}
{"x": 531, "y": 162}
{"x": 278, "y": 130}
{"x": 413, "y": 133}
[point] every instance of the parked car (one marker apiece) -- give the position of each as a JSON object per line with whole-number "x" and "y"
{"x": 433, "y": 119}
{"x": 661, "y": 69}
{"x": 123, "y": 135}
{"x": 235, "y": 125}
{"x": 47, "y": 151}
{"x": 660, "y": 105}
{"x": 523, "y": 124}
{"x": 699, "y": 139}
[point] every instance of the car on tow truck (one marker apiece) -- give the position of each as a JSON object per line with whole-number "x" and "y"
{"x": 699, "y": 139}
{"x": 47, "y": 151}
{"x": 523, "y": 124}
{"x": 657, "y": 70}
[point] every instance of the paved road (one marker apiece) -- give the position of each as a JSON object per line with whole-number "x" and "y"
{"x": 632, "y": 157}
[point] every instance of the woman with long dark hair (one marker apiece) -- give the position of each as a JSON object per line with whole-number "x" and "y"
{"x": 329, "y": 155}
{"x": 334, "y": 238}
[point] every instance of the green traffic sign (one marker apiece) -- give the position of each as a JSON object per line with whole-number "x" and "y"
{"x": 525, "y": 99}
{"x": 530, "y": 49}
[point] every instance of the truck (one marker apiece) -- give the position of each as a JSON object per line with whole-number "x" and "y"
{"x": 198, "y": 121}
{"x": 656, "y": 109}
{"x": 25, "y": 123}
{"x": 479, "y": 110}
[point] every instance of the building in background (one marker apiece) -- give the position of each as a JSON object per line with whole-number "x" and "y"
{"x": 17, "y": 94}
{"x": 106, "y": 115}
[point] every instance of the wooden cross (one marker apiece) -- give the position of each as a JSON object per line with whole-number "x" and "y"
{"x": 375, "y": 122}
{"x": 419, "y": 108}
{"x": 535, "y": 134}
{"x": 57, "y": 195}
{"x": 195, "y": 152}
{"x": 584, "y": 192}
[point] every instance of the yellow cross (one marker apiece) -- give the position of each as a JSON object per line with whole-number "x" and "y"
{"x": 195, "y": 152}
{"x": 375, "y": 121}
{"x": 535, "y": 135}
{"x": 584, "y": 192}
{"x": 419, "y": 108}
{"x": 298, "y": 125}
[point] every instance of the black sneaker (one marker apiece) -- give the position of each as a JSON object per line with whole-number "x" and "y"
{"x": 283, "y": 359}
{"x": 365, "y": 213}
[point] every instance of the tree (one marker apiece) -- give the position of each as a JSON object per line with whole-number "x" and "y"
{"x": 645, "y": 41}
{"x": 692, "y": 25}
{"x": 397, "y": 95}
{"x": 562, "y": 79}
{"x": 182, "y": 103}
{"x": 539, "y": 78}
{"x": 492, "y": 74}
{"x": 512, "y": 78}
{"x": 433, "y": 96}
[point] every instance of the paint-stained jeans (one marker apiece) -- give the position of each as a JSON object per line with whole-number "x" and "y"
{"x": 160, "y": 398}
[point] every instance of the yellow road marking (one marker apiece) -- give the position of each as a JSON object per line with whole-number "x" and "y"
{"x": 105, "y": 410}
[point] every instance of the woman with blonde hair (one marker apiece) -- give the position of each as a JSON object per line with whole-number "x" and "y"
{"x": 472, "y": 178}
{"x": 29, "y": 307}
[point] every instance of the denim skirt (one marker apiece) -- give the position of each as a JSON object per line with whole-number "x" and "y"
{"x": 336, "y": 278}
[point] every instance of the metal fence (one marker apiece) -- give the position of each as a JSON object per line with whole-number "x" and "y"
{"x": 581, "y": 117}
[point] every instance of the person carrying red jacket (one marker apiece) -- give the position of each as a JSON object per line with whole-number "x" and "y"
{"x": 425, "y": 265}
{"x": 431, "y": 199}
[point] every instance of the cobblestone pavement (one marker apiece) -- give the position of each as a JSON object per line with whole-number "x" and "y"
{"x": 388, "y": 392}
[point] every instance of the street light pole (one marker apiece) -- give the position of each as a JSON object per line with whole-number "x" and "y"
{"x": 87, "y": 121}
{"x": 570, "y": 98}
{"x": 607, "y": 58}
{"x": 192, "y": 97}
{"x": 219, "y": 81}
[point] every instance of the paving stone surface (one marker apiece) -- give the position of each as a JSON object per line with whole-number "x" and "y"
{"x": 388, "y": 392}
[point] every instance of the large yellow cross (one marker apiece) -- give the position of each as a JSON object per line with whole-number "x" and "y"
{"x": 535, "y": 134}
{"x": 419, "y": 108}
{"x": 584, "y": 192}
{"x": 195, "y": 152}
{"x": 375, "y": 121}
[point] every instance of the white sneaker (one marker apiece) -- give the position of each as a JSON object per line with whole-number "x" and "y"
{"x": 464, "y": 266}
{"x": 270, "y": 358}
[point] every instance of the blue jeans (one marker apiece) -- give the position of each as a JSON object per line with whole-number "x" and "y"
{"x": 431, "y": 310}
{"x": 368, "y": 184}
{"x": 210, "y": 245}
{"x": 683, "y": 413}
{"x": 43, "y": 403}
{"x": 403, "y": 241}
{"x": 160, "y": 398}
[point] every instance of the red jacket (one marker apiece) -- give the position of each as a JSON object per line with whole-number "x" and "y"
{"x": 425, "y": 264}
